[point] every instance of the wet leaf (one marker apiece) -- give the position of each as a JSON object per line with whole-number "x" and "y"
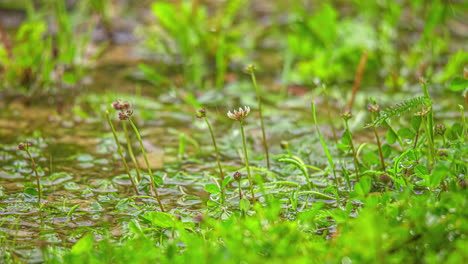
{"x": 84, "y": 245}
{"x": 212, "y": 188}
{"x": 160, "y": 219}
{"x": 244, "y": 205}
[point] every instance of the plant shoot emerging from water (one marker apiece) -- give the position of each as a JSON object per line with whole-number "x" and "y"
{"x": 240, "y": 116}
{"x": 201, "y": 113}
{"x": 125, "y": 115}
{"x": 25, "y": 146}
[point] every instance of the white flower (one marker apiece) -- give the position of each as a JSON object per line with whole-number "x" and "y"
{"x": 239, "y": 115}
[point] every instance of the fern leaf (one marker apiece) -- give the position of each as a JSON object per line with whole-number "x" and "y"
{"x": 398, "y": 109}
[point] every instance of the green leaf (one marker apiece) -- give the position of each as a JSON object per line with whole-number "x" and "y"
{"x": 416, "y": 122}
{"x": 244, "y": 205}
{"x": 84, "y": 245}
{"x": 347, "y": 138}
{"x": 458, "y": 84}
{"x": 363, "y": 187}
{"x": 406, "y": 133}
{"x": 421, "y": 171}
{"x": 212, "y": 188}
{"x": 226, "y": 181}
{"x": 391, "y": 137}
{"x": 70, "y": 212}
{"x": 386, "y": 150}
{"x": 160, "y": 219}
{"x": 440, "y": 171}
{"x": 135, "y": 227}
{"x": 31, "y": 191}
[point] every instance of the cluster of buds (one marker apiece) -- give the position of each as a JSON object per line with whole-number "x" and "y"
{"x": 239, "y": 115}
{"x": 24, "y": 145}
{"x": 124, "y": 108}
{"x": 201, "y": 113}
{"x": 373, "y": 108}
{"x": 249, "y": 68}
{"x": 346, "y": 115}
{"x": 440, "y": 129}
{"x": 125, "y": 114}
{"x": 121, "y": 105}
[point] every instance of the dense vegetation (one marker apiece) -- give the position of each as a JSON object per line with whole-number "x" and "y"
{"x": 233, "y": 131}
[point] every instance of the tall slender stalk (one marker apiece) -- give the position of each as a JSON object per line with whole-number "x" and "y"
{"x": 240, "y": 116}
{"x": 246, "y": 160}
{"x": 119, "y": 150}
{"x": 221, "y": 173}
{"x": 130, "y": 151}
{"x": 374, "y": 108}
{"x": 201, "y": 113}
{"x": 251, "y": 71}
{"x": 430, "y": 121}
{"x": 148, "y": 165}
{"x": 25, "y": 147}
{"x": 38, "y": 183}
{"x": 356, "y": 163}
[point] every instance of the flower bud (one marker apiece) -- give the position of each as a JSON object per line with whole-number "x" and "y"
{"x": 237, "y": 176}
{"x": 373, "y": 108}
{"x": 346, "y": 115}
{"x": 24, "y": 145}
{"x": 201, "y": 113}
{"x": 440, "y": 129}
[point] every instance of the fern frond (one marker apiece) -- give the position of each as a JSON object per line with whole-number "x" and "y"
{"x": 398, "y": 109}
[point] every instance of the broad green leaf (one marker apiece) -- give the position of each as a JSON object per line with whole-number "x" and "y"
{"x": 244, "y": 205}
{"x": 212, "y": 188}
{"x": 160, "y": 219}
{"x": 84, "y": 245}
{"x": 458, "y": 84}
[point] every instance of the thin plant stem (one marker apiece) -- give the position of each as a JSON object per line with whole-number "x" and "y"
{"x": 119, "y": 150}
{"x": 356, "y": 163}
{"x": 259, "y": 101}
{"x": 221, "y": 173}
{"x": 417, "y": 135}
{"x": 130, "y": 151}
{"x": 430, "y": 122}
{"x": 379, "y": 145}
{"x": 39, "y": 192}
{"x": 430, "y": 147}
{"x": 246, "y": 159}
{"x": 150, "y": 172}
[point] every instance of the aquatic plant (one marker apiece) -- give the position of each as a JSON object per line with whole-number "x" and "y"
{"x": 125, "y": 114}
{"x": 238, "y": 177}
{"x": 25, "y": 147}
{"x": 39, "y": 62}
{"x": 121, "y": 154}
{"x": 201, "y": 113}
{"x": 240, "y": 116}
